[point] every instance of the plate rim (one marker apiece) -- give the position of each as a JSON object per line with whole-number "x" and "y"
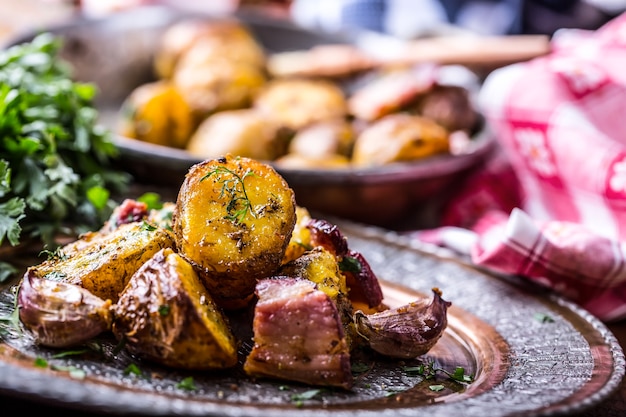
{"x": 13, "y": 373}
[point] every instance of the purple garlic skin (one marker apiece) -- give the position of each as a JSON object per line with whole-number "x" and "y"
{"x": 405, "y": 332}
{"x": 61, "y": 314}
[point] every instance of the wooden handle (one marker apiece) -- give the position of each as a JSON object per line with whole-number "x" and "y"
{"x": 471, "y": 50}
{"x": 336, "y": 60}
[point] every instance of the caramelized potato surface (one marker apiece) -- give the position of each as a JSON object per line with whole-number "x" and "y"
{"x": 226, "y": 37}
{"x": 105, "y": 266}
{"x": 233, "y": 221}
{"x": 165, "y": 314}
{"x": 157, "y": 113}
{"x": 296, "y": 103}
{"x": 242, "y": 132}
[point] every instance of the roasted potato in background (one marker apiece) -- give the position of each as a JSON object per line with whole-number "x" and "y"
{"x": 399, "y": 137}
{"x": 105, "y": 266}
{"x": 166, "y": 315}
{"x": 215, "y": 65}
{"x": 233, "y": 221}
{"x": 243, "y": 132}
{"x": 222, "y": 85}
{"x": 222, "y": 37}
{"x": 296, "y": 103}
{"x": 157, "y": 113}
{"x": 326, "y": 144}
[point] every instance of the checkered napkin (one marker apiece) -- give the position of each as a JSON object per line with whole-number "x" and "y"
{"x": 552, "y": 206}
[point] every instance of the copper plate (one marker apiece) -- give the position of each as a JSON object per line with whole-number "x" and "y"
{"x": 522, "y": 366}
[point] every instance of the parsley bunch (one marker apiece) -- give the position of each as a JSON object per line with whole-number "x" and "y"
{"x": 56, "y": 172}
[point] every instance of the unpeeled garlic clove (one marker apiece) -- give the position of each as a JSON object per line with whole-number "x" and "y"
{"x": 407, "y": 331}
{"x": 61, "y": 314}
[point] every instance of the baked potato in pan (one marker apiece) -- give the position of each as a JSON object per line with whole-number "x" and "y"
{"x": 236, "y": 241}
{"x": 218, "y": 66}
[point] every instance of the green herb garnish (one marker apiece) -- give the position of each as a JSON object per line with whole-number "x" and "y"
{"x": 132, "y": 369}
{"x": 12, "y": 321}
{"x": 41, "y": 362}
{"x": 350, "y": 264}
{"x": 187, "y": 384}
{"x": 164, "y": 310}
{"x": 70, "y": 353}
{"x": 56, "y": 170}
{"x": 73, "y": 371}
{"x": 298, "y": 399}
{"x": 233, "y": 187}
{"x": 543, "y": 318}
{"x": 429, "y": 371}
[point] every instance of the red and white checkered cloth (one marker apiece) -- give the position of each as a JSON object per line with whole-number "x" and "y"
{"x": 561, "y": 190}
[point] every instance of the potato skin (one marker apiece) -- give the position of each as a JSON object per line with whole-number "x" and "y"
{"x": 166, "y": 315}
{"x": 157, "y": 113}
{"x": 243, "y": 132}
{"x": 104, "y": 266}
{"x": 231, "y": 245}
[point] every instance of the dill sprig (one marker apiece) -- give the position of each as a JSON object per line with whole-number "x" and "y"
{"x": 233, "y": 187}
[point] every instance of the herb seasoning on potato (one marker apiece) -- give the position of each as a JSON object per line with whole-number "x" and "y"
{"x": 233, "y": 221}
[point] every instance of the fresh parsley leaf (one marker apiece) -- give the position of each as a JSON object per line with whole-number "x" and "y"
{"x": 56, "y": 161}
{"x": 132, "y": 369}
{"x": 187, "y": 384}
{"x": 543, "y": 318}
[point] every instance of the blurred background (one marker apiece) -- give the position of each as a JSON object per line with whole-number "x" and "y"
{"x": 403, "y": 18}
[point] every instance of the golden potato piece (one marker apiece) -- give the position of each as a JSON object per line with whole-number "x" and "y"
{"x": 320, "y": 266}
{"x": 228, "y": 37}
{"x": 157, "y": 113}
{"x": 300, "y": 240}
{"x": 105, "y": 266}
{"x": 243, "y": 132}
{"x": 222, "y": 85}
{"x": 233, "y": 221}
{"x": 166, "y": 315}
{"x": 296, "y": 103}
{"x": 399, "y": 137}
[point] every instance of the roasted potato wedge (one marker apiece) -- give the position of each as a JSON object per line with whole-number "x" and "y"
{"x": 166, "y": 315}
{"x": 233, "y": 220}
{"x": 105, "y": 266}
